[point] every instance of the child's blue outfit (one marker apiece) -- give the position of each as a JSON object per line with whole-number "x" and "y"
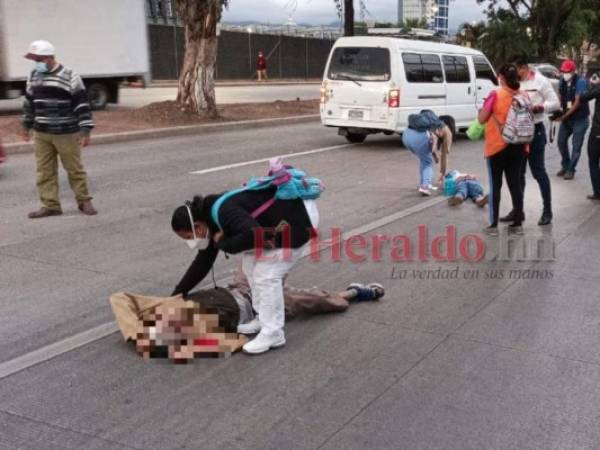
{"x": 469, "y": 189}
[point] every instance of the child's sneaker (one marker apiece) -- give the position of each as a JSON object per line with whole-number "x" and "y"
{"x": 481, "y": 201}
{"x": 455, "y": 200}
{"x": 379, "y": 289}
{"x": 424, "y": 192}
{"x": 366, "y": 293}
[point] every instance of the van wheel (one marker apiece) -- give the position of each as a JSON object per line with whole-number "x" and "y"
{"x": 355, "y": 138}
{"x": 98, "y": 93}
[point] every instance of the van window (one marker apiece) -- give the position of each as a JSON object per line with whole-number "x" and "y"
{"x": 456, "y": 69}
{"x": 420, "y": 68}
{"x": 360, "y": 64}
{"x": 483, "y": 70}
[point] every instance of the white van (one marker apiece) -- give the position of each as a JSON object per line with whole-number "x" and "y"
{"x": 371, "y": 84}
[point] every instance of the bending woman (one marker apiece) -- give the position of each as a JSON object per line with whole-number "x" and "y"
{"x": 285, "y": 229}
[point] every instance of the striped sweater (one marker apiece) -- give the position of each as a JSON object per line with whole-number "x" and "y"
{"x": 56, "y": 102}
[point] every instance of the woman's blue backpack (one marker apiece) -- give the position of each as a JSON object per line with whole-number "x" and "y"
{"x": 291, "y": 184}
{"x": 426, "y": 120}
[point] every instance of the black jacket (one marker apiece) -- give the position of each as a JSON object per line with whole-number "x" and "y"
{"x": 593, "y": 93}
{"x": 239, "y": 228}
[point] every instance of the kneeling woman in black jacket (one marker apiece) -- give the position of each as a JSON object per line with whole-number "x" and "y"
{"x": 284, "y": 228}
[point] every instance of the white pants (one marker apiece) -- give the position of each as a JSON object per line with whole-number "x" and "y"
{"x": 265, "y": 276}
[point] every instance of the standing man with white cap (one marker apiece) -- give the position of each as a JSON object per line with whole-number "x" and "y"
{"x": 57, "y": 109}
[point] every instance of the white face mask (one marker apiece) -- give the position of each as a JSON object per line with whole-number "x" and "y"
{"x": 568, "y": 76}
{"x": 196, "y": 243}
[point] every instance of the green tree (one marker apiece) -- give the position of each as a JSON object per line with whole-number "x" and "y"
{"x": 413, "y": 23}
{"x": 200, "y": 18}
{"x": 548, "y": 21}
{"x": 583, "y": 27}
{"x": 469, "y": 34}
{"x": 505, "y": 37}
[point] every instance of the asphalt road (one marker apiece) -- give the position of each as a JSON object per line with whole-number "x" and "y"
{"x": 137, "y": 97}
{"x": 493, "y": 359}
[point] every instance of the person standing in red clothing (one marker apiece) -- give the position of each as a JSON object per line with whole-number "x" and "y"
{"x": 261, "y": 67}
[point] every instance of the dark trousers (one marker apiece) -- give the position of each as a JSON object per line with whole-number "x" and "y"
{"x": 509, "y": 162}
{"x": 594, "y": 161}
{"x": 537, "y": 165}
{"x": 576, "y": 128}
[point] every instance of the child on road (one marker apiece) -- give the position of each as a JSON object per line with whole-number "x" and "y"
{"x": 467, "y": 186}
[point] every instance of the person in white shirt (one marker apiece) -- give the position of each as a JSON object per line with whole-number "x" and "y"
{"x": 544, "y": 100}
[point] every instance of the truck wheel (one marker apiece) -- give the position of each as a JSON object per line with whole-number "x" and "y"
{"x": 355, "y": 138}
{"x": 98, "y": 94}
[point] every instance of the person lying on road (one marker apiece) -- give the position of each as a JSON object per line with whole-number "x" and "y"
{"x": 204, "y": 323}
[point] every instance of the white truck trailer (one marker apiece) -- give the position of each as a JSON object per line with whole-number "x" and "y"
{"x": 105, "y": 41}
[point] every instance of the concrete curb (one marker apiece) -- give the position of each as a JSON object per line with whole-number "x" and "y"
{"x": 19, "y": 148}
{"x": 163, "y": 84}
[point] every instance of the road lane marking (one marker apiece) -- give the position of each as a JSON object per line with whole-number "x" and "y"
{"x": 256, "y": 161}
{"x": 58, "y": 348}
{"x": 380, "y": 223}
{"x": 76, "y": 341}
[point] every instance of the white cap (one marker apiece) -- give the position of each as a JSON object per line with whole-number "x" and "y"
{"x": 40, "y": 48}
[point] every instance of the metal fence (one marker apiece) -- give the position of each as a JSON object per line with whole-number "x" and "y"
{"x": 287, "y": 56}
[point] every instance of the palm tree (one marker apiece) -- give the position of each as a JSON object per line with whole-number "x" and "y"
{"x": 408, "y": 24}
{"x": 197, "y": 80}
{"x": 504, "y": 39}
{"x": 469, "y": 34}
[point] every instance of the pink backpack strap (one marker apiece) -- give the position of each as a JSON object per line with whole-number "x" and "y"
{"x": 262, "y": 208}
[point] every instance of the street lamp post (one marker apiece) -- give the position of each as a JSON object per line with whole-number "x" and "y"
{"x": 249, "y": 30}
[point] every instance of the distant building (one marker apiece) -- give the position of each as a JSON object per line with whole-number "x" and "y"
{"x": 441, "y": 17}
{"x": 411, "y": 10}
{"x": 434, "y": 12}
{"x": 164, "y": 12}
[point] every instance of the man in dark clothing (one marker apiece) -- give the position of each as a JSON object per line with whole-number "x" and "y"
{"x": 575, "y": 120}
{"x": 56, "y": 108}
{"x": 594, "y": 140}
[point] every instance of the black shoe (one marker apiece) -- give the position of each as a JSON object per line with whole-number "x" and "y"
{"x": 594, "y": 197}
{"x": 546, "y": 219}
{"x": 510, "y": 217}
{"x": 569, "y": 175}
{"x": 561, "y": 173}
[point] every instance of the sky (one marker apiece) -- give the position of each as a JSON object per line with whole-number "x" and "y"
{"x": 320, "y": 12}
